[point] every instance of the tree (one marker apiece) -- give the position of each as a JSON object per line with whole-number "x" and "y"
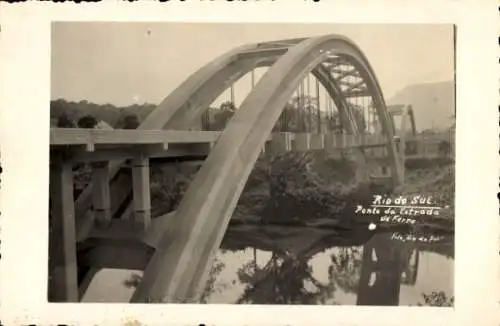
{"x": 346, "y": 268}
{"x": 303, "y": 111}
{"x": 88, "y": 121}
{"x": 64, "y": 121}
{"x": 168, "y": 185}
{"x": 286, "y": 121}
{"x": 211, "y": 286}
{"x": 228, "y": 106}
{"x": 301, "y": 114}
{"x": 437, "y": 299}
{"x": 333, "y": 123}
{"x": 127, "y": 120}
{"x": 283, "y": 281}
{"x": 444, "y": 148}
{"x": 130, "y": 121}
{"x": 222, "y": 115}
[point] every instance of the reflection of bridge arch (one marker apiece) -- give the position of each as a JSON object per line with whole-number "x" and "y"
{"x": 183, "y": 256}
{"x": 386, "y": 265}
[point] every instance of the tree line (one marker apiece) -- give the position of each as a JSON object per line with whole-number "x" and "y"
{"x": 301, "y": 114}
{"x": 84, "y": 114}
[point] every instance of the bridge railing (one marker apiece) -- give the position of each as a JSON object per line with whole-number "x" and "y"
{"x": 100, "y": 140}
{"x": 94, "y": 144}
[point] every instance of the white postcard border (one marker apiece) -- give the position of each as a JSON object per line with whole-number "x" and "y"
{"x": 24, "y": 121}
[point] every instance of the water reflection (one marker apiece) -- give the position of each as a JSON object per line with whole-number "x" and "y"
{"x": 323, "y": 270}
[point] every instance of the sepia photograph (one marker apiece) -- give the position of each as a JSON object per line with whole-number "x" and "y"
{"x": 252, "y": 163}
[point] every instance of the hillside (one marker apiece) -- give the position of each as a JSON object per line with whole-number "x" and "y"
{"x": 105, "y": 112}
{"x": 433, "y": 103}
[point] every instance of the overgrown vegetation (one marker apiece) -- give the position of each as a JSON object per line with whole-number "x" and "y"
{"x": 431, "y": 177}
{"x": 168, "y": 185}
{"x": 289, "y": 188}
{"x": 437, "y": 299}
{"x": 299, "y": 115}
{"x": 68, "y": 113}
{"x": 301, "y": 187}
{"x": 296, "y": 183}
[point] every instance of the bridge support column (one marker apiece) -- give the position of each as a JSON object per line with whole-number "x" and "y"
{"x": 100, "y": 194}
{"x": 63, "y": 280}
{"x": 141, "y": 190}
{"x": 402, "y": 154}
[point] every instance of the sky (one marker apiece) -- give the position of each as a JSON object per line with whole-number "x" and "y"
{"x": 125, "y": 63}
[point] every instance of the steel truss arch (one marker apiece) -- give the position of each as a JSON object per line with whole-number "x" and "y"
{"x": 180, "y": 114}
{"x": 184, "y": 253}
{"x": 187, "y": 102}
{"x": 407, "y": 118}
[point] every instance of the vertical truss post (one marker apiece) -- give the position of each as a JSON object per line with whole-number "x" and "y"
{"x": 308, "y": 105}
{"x": 301, "y": 107}
{"x": 328, "y": 117}
{"x": 318, "y": 106}
{"x": 232, "y": 95}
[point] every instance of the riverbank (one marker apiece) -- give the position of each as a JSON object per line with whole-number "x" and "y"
{"x": 312, "y": 189}
{"x": 319, "y": 191}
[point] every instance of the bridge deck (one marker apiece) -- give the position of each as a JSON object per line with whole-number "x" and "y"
{"x": 97, "y": 145}
{"x": 78, "y": 136}
{"x": 92, "y": 137}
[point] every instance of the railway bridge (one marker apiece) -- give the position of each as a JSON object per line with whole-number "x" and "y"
{"x": 109, "y": 224}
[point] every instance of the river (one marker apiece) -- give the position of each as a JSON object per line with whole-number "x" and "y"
{"x": 314, "y": 267}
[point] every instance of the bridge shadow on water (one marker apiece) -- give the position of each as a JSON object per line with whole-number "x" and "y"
{"x": 280, "y": 265}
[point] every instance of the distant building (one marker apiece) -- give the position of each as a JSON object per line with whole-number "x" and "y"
{"x": 428, "y": 132}
{"x": 103, "y": 125}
